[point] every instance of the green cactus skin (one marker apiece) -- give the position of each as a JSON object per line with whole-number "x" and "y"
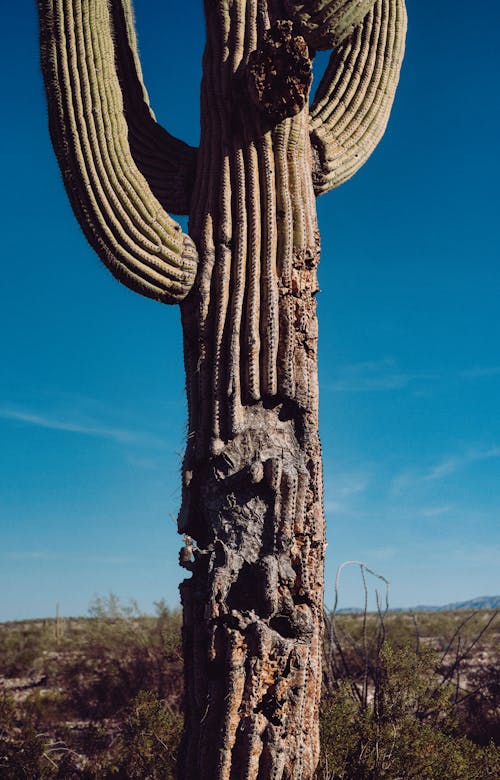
{"x": 245, "y": 278}
{"x": 122, "y": 219}
{"x": 326, "y": 23}
{"x": 354, "y": 99}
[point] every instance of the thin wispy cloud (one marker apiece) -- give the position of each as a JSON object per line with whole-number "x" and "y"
{"x": 344, "y": 488}
{"x": 87, "y": 428}
{"x": 31, "y": 555}
{"x": 466, "y": 554}
{"x": 436, "y": 511}
{"x": 385, "y": 374}
{"x": 376, "y": 375}
{"x": 147, "y": 464}
{"x": 444, "y": 468}
{"x": 43, "y": 555}
{"x": 105, "y": 560}
{"x": 451, "y": 465}
{"x": 480, "y": 372}
{"x": 379, "y": 553}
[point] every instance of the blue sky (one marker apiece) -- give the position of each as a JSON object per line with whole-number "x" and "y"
{"x": 92, "y": 415}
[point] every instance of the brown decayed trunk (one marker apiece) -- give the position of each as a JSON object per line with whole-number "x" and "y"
{"x": 252, "y": 485}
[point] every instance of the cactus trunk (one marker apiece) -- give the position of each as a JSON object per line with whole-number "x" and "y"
{"x": 253, "y": 606}
{"x": 252, "y": 471}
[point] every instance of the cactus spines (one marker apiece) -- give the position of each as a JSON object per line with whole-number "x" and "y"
{"x": 354, "y": 99}
{"x": 167, "y": 163}
{"x": 245, "y": 278}
{"x": 122, "y": 219}
{"x": 326, "y": 23}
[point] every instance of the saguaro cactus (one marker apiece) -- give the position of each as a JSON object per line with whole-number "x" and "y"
{"x": 245, "y": 279}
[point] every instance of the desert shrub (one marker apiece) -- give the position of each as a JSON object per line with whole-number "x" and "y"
{"x": 25, "y": 757}
{"x": 79, "y": 715}
{"x": 25, "y": 751}
{"x": 23, "y": 644}
{"x": 479, "y": 708}
{"x": 403, "y": 699}
{"x": 399, "y": 698}
{"x": 357, "y": 744}
{"x": 143, "y": 745}
{"x": 121, "y": 653}
{"x": 150, "y": 735}
{"x": 405, "y": 729}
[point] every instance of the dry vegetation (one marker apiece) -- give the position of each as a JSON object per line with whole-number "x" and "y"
{"x": 411, "y": 697}
{"x": 405, "y": 696}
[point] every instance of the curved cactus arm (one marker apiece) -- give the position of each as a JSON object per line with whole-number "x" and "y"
{"x": 326, "y": 23}
{"x": 351, "y": 108}
{"x": 168, "y": 164}
{"x": 122, "y": 219}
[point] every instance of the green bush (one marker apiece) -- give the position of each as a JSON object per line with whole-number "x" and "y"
{"x": 105, "y": 699}
{"x": 23, "y": 644}
{"x": 404, "y": 730}
{"x": 24, "y": 752}
{"x": 410, "y": 697}
{"x": 120, "y": 653}
{"x": 150, "y": 736}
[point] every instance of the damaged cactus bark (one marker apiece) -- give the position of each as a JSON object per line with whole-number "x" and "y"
{"x": 245, "y": 280}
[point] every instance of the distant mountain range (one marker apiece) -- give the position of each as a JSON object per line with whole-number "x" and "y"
{"x": 481, "y": 602}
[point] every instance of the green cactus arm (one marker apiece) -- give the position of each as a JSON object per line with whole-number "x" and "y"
{"x": 168, "y": 164}
{"x": 326, "y": 23}
{"x": 125, "y": 223}
{"x": 351, "y": 108}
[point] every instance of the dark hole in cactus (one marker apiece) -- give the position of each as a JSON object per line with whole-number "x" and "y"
{"x": 283, "y": 625}
{"x": 280, "y": 73}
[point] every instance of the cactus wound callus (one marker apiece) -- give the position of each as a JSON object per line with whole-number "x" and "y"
{"x": 245, "y": 278}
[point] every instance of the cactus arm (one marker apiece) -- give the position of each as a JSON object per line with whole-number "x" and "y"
{"x": 351, "y": 108}
{"x": 326, "y": 23}
{"x": 124, "y": 222}
{"x": 168, "y": 164}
